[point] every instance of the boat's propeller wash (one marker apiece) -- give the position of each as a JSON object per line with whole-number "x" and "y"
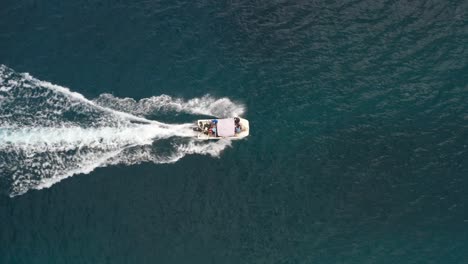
{"x": 48, "y": 133}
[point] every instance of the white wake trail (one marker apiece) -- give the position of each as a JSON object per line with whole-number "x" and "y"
{"x": 49, "y": 133}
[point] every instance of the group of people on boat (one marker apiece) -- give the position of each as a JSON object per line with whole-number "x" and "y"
{"x": 212, "y": 130}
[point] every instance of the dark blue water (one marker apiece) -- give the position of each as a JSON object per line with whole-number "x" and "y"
{"x": 358, "y": 147}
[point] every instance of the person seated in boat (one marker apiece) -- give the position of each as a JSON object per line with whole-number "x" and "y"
{"x": 213, "y": 129}
{"x": 238, "y": 127}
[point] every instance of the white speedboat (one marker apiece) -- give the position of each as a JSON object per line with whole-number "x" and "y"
{"x": 232, "y": 128}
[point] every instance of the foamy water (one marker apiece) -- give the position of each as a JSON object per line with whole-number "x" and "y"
{"x": 49, "y": 133}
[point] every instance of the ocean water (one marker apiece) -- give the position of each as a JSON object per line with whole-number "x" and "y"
{"x": 358, "y": 148}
